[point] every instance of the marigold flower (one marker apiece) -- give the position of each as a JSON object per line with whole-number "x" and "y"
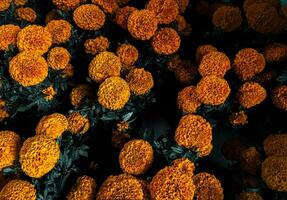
{"x": 182, "y": 4}
{"x": 60, "y": 30}
{"x": 181, "y": 23}
{"x": 58, "y": 58}
{"x": 34, "y": 38}
{"x": 142, "y": 24}
{"x": 194, "y": 132}
{"x": 3, "y": 114}
{"x": 89, "y": 17}
{"x": 121, "y": 187}
{"x": 251, "y": 94}
{"x": 247, "y": 63}
{"x": 79, "y": 93}
{"x": 174, "y": 62}
{"x": 249, "y": 196}
{"x": 9, "y": 148}
{"x": 8, "y": 36}
{"x": 166, "y": 41}
{"x": 4, "y": 5}
{"x": 250, "y": 160}
{"x": 52, "y": 15}
{"x": 275, "y": 145}
{"x": 202, "y": 51}
{"x": 20, "y": 2}
{"x": 108, "y": 6}
{"x": 78, "y": 124}
{"x": 273, "y": 172}
{"x": 128, "y": 54}
{"x": 122, "y": 16}
{"x": 97, "y": 45}
{"x": 104, "y": 65}
{"x": 114, "y": 93}
{"x": 185, "y": 72}
{"x": 68, "y": 71}
{"x": 18, "y": 190}
{"x": 84, "y": 189}
{"x": 27, "y": 14}
{"x": 248, "y": 3}
{"x": 238, "y": 118}
{"x": 140, "y": 81}
{"x": 187, "y": 100}
{"x": 39, "y": 155}
{"x": 66, "y": 4}
{"x": 184, "y": 165}
{"x": 28, "y": 68}
{"x": 49, "y": 93}
{"x": 275, "y": 52}
{"x": 123, "y": 126}
{"x": 53, "y": 125}
{"x": 279, "y": 97}
{"x": 232, "y": 149}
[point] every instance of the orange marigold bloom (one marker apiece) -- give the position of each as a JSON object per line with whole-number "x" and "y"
{"x": 166, "y": 41}
{"x": 18, "y": 190}
{"x": 58, "y": 58}
{"x": 97, "y": 45}
{"x": 20, "y": 2}
{"x": 66, "y": 4}
{"x": 187, "y": 100}
{"x": 232, "y": 149}
{"x": 128, "y": 54}
{"x": 250, "y": 160}
{"x": 195, "y": 133}
{"x": 212, "y": 90}
{"x": 39, "y": 155}
{"x": 275, "y": 145}
{"x": 34, "y": 38}
{"x": 49, "y": 93}
{"x": 273, "y": 173}
{"x": 77, "y": 124}
{"x": 174, "y": 62}
{"x": 181, "y": 23}
{"x": 122, "y": 16}
{"x": 114, "y": 93}
{"x": 79, "y": 93}
{"x": 123, "y": 126}
{"x": 4, "y": 5}
{"x": 275, "y": 52}
{"x": 28, "y": 68}
{"x": 52, "y": 15}
{"x": 108, "y": 6}
{"x": 3, "y": 114}
{"x": 122, "y": 2}
{"x": 140, "y": 81}
{"x": 68, "y": 71}
{"x": 248, "y": 3}
{"x": 184, "y": 165}
{"x": 84, "y": 189}
{"x": 185, "y": 72}
{"x": 9, "y": 148}
{"x": 89, "y": 17}
{"x": 60, "y": 30}
{"x": 279, "y": 97}
{"x": 202, "y": 51}
{"x": 182, "y": 4}
{"x": 208, "y": 187}
{"x": 249, "y": 196}
{"x": 136, "y": 157}
{"x": 142, "y": 24}
{"x": 53, "y": 125}
{"x": 27, "y": 14}
{"x": 121, "y": 187}
{"x": 247, "y": 63}
{"x": 251, "y": 94}
{"x": 8, "y": 36}
{"x": 238, "y": 118}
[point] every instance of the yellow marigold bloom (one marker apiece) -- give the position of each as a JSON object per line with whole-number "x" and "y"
{"x": 208, "y": 187}
{"x": 273, "y": 173}
{"x": 203, "y": 50}
{"x": 9, "y": 148}
{"x": 66, "y": 4}
{"x": 142, "y": 24}
{"x": 3, "y": 114}
{"x": 28, "y": 68}
{"x": 251, "y": 94}
{"x": 248, "y": 3}
{"x": 114, "y": 93}
{"x": 77, "y": 123}
{"x": 194, "y": 132}
{"x": 212, "y": 90}
{"x": 187, "y": 100}
{"x": 18, "y": 190}
{"x": 58, "y": 58}
{"x": 275, "y": 52}
{"x": 184, "y": 165}
{"x": 39, "y": 155}
{"x": 238, "y": 118}
{"x": 250, "y": 160}
{"x": 60, "y": 30}
{"x": 249, "y": 196}
{"x": 185, "y": 72}
{"x": 104, "y": 65}
{"x": 79, "y": 93}
{"x": 8, "y": 36}
{"x": 121, "y": 187}
{"x": 35, "y": 38}
{"x": 84, "y": 189}
{"x": 136, "y": 157}
{"x": 97, "y": 45}
{"x": 182, "y": 5}
{"x": 53, "y": 125}
{"x": 166, "y": 41}
{"x": 232, "y": 149}
{"x": 68, "y": 71}
{"x": 20, "y": 2}
{"x": 89, "y": 17}
{"x": 140, "y": 81}
{"x": 128, "y": 54}
{"x": 49, "y": 93}
{"x": 279, "y": 97}
{"x": 108, "y": 6}
{"x": 275, "y": 145}
{"x": 122, "y": 16}
{"x": 52, "y": 15}
{"x": 27, "y": 14}
{"x": 4, "y": 5}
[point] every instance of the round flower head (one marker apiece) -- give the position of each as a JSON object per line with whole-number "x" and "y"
{"x": 232, "y": 149}
{"x": 78, "y": 124}
{"x": 4, "y": 5}
{"x": 97, "y": 45}
{"x": 275, "y": 52}
{"x": 34, "y": 38}
{"x": 182, "y": 4}
{"x": 185, "y": 72}
{"x": 249, "y": 196}
{"x": 208, "y": 187}
{"x": 20, "y": 2}
{"x": 28, "y": 68}
{"x": 39, "y": 155}
{"x": 9, "y": 148}
{"x": 114, "y": 93}
{"x": 58, "y": 58}
{"x": 108, "y": 6}
{"x": 142, "y": 24}
{"x": 187, "y": 100}
{"x": 60, "y": 30}
{"x": 248, "y": 3}
{"x": 212, "y": 90}
{"x": 53, "y": 125}
{"x": 8, "y": 36}
{"x": 122, "y": 16}
{"x": 238, "y": 118}
{"x": 26, "y": 14}
{"x": 166, "y": 10}
{"x": 79, "y": 93}
{"x": 128, "y": 54}
{"x": 104, "y": 65}
{"x": 121, "y": 187}
{"x": 275, "y": 145}
{"x": 203, "y": 50}
{"x": 89, "y": 17}
{"x": 273, "y": 173}
{"x": 250, "y": 160}
{"x": 140, "y": 81}
{"x": 18, "y": 190}
{"x": 136, "y": 157}
{"x": 184, "y": 165}
{"x": 279, "y": 97}
{"x": 247, "y": 63}
{"x": 194, "y": 132}
{"x": 214, "y": 63}
{"x": 52, "y": 15}
{"x": 66, "y": 4}
{"x": 166, "y": 41}
{"x": 251, "y": 94}
{"x": 84, "y": 189}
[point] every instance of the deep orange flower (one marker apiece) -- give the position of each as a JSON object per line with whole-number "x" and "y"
{"x": 108, "y": 6}
{"x": 122, "y": 16}
{"x": 275, "y": 52}
{"x": 58, "y": 58}
{"x": 20, "y": 2}
{"x": 49, "y": 93}
{"x": 275, "y": 145}
{"x": 84, "y": 189}
{"x": 238, "y": 118}
{"x": 27, "y": 14}
{"x": 128, "y": 54}
{"x": 4, "y": 5}
{"x": 18, "y": 190}
{"x": 187, "y": 100}
{"x": 77, "y": 124}
{"x": 66, "y": 4}
{"x": 97, "y": 45}
{"x": 8, "y": 36}
{"x": 140, "y": 81}
{"x": 79, "y": 93}
{"x": 250, "y": 160}
{"x": 279, "y": 97}
{"x": 60, "y": 30}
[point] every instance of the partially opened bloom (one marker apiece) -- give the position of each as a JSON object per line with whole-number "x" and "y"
{"x": 49, "y": 93}
{"x": 238, "y": 118}
{"x": 58, "y": 58}
{"x": 84, "y": 189}
{"x": 60, "y": 30}
{"x": 275, "y": 145}
{"x": 77, "y": 123}
{"x": 18, "y": 190}
{"x": 97, "y": 45}
{"x": 140, "y": 81}
{"x": 8, "y": 36}
{"x": 187, "y": 100}
{"x": 26, "y": 14}
{"x": 279, "y": 97}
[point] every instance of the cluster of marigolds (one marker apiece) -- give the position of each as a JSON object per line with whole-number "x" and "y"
{"x": 41, "y": 50}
